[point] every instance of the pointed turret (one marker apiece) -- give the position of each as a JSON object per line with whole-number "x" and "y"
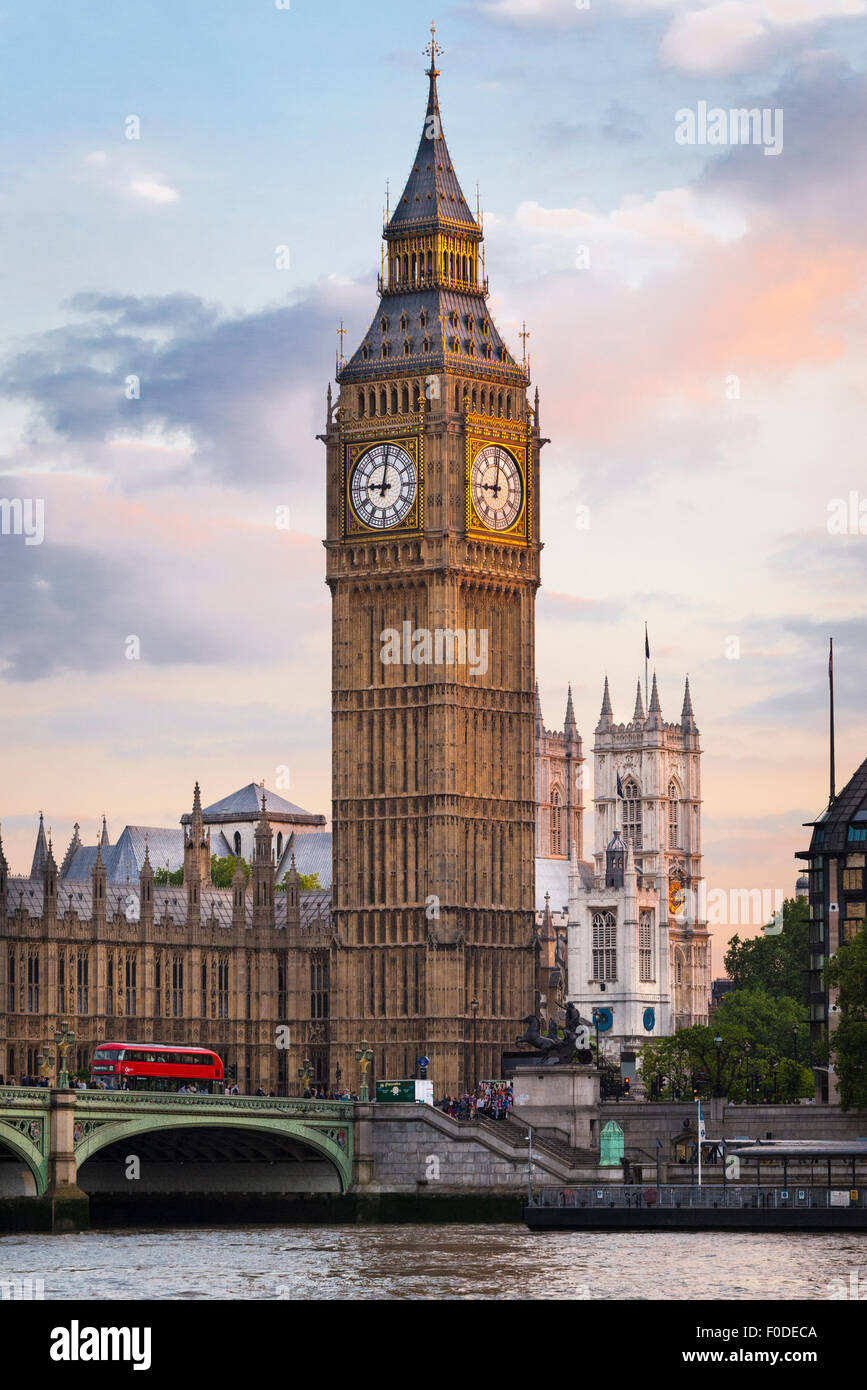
{"x": 239, "y": 897}
{"x": 432, "y": 193}
{"x": 687, "y": 718}
{"x": 4, "y": 884}
{"x": 263, "y": 872}
{"x": 654, "y": 710}
{"x": 98, "y": 888}
{"x": 570, "y": 728}
{"x": 536, "y": 409}
{"x": 539, "y": 724}
{"x": 103, "y": 839}
{"x": 606, "y": 716}
{"x": 638, "y": 712}
{"x": 40, "y": 853}
{"x": 146, "y": 889}
{"x": 72, "y": 850}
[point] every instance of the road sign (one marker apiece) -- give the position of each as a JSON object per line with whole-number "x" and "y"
{"x": 424, "y": 1062}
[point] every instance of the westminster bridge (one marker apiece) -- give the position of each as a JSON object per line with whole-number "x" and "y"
{"x": 125, "y": 1156}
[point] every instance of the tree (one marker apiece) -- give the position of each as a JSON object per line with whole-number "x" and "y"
{"x": 162, "y": 876}
{"x": 223, "y": 870}
{"x": 688, "y": 1062}
{"x": 776, "y": 963}
{"x": 307, "y": 883}
{"x": 846, "y": 972}
{"x": 767, "y": 1019}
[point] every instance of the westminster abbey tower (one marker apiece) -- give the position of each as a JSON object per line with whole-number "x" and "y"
{"x": 433, "y": 565}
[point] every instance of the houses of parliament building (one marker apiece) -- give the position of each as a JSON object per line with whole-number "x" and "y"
{"x": 450, "y": 799}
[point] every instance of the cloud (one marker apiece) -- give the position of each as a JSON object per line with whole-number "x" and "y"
{"x": 728, "y": 36}
{"x": 153, "y": 192}
{"x": 244, "y": 394}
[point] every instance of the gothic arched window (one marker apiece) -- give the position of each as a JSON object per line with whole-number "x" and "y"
{"x": 361, "y": 402}
{"x": 394, "y": 400}
{"x": 672, "y": 815}
{"x": 556, "y": 823}
{"x": 238, "y": 839}
{"x": 604, "y": 946}
{"x": 632, "y": 812}
{"x": 404, "y": 399}
{"x": 646, "y": 971}
{"x": 279, "y": 844}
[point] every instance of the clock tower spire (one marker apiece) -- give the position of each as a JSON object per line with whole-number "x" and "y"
{"x": 433, "y": 564}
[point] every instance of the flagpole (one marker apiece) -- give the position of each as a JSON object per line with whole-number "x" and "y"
{"x": 646, "y": 664}
{"x": 831, "y": 693}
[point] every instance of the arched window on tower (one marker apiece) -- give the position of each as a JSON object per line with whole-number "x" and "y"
{"x": 237, "y": 844}
{"x": 429, "y": 264}
{"x": 499, "y": 402}
{"x": 604, "y": 946}
{"x": 509, "y": 406}
{"x": 673, "y": 829}
{"x": 394, "y": 400}
{"x": 279, "y": 844}
{"x": 361, "y": 402}
{"x": 632, "y": 812}
{"x": 371, "y": 402}
{"x": 383, "y": 406}
{"x": 404, "y": 399}
{"x": 556, "y": 822}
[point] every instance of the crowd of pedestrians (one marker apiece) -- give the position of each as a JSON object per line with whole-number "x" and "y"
{"x": 491, "y": 1100}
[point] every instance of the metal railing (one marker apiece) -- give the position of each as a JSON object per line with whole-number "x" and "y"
{"x": 739, "y": 1196}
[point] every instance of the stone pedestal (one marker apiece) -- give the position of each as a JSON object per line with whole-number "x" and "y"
{"x": 561, "y": 1100}
{"x": 70, "y": 1207}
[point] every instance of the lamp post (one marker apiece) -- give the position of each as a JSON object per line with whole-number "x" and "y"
{"x": 774, "y": 1066}
{"x": 474, "y": 1005}
{"x": 596, "y": 1026}
{"x": 364, "y": 1055}
{"x": 305, "y": 1072}
{"x": 795, "y": 1042}
{"x": 338, "y": 1076}
{"x": 64, "y": 1038}
{"x": 717, "y": 1042}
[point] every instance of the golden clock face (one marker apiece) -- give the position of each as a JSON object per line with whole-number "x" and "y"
{"x": 383, "y": 486}
{"x": 496, "y": 487}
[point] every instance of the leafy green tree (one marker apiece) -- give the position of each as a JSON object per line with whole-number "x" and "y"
{"x": 689, "y": 1062}
{"x": 846, "y": 971}
{"x": 307, "y": 883}
{"x": 223, "y": 870}
{"x": 162, "y": 876}
{"x": 776, "y": 962}
{"x": 768, "y": 1020}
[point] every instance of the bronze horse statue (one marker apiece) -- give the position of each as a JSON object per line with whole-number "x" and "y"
{"x": 551, "y": 1045}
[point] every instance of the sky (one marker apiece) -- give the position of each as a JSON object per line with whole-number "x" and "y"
{"x": 696, "y": 314}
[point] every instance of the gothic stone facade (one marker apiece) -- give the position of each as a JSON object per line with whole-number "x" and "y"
{"x": 145, "y": 963}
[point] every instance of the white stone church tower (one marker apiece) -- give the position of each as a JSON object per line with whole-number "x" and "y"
{"x": 638, "y": 952}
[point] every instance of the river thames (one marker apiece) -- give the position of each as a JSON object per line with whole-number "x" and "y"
{"x": 435, "y": 1262}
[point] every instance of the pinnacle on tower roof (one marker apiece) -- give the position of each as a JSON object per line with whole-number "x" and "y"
{"x": 638, "y": 712}
{"x": 3, "y": 864}
{"x": 606, "y": 717}
{"x": 40, "y": 852}
{"x": 538, "y": 707}
{"x": 104, "y": 840}
{"x": 50, "y": 861}
{"x": 570, "y": 726}
{"x": 687, "y": 718}
{"x": 654, "y": 710}
{"x": 98, "y": 861}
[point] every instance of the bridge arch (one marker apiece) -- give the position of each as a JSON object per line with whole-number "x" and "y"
{"x": 274, "y": 1134}
{"x": 30, "y": 1154}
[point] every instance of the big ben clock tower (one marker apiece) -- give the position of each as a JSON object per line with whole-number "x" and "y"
{"x": 433, "y": 565}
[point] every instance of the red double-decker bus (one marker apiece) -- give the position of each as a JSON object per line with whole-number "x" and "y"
{"x": 156, "y": 1067}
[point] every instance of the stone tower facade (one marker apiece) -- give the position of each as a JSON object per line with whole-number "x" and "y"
{"x": 433, "y": 565}
{"x": 559, "y": 787}
{"x": 647, "y": 786}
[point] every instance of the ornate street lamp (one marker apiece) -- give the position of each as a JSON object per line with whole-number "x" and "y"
{"x": 64, "y": 1039}
{"x": 364, "y": 1055}
{"x": 717, "y": 1042}
{"x": 305, "y": 1072}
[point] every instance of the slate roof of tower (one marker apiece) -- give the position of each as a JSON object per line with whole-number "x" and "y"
{"x": 246, "y": 804}
{"x": 849, "y": 805}
{"x": 432, "y": 192}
